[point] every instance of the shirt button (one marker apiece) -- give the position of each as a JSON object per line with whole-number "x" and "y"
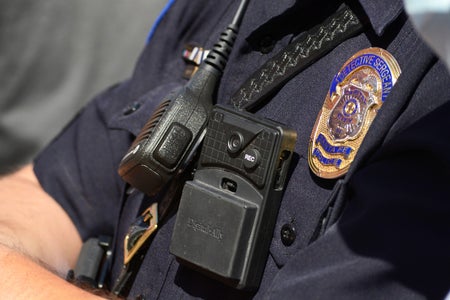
{"x": 266, "y": 44}
{"x": 288, "y": 234}
{"x": 131, "y": 108}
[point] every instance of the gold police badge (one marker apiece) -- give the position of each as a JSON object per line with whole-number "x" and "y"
{"x": 356, "y": 94}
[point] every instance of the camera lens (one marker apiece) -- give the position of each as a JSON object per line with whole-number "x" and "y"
{"x": 235, "y": 142}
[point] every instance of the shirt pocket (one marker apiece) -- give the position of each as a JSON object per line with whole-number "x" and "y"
{"x": 136, "y": 112}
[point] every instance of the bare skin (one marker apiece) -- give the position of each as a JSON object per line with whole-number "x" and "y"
{"x": 38, "y": 242}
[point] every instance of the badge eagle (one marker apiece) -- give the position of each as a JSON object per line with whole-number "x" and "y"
{"x": 356, "y": 94}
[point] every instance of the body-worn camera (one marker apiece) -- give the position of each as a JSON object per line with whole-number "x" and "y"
{"x": 227, "y": 213}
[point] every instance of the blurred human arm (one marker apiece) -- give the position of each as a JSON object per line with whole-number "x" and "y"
{"x": 38, "y": 241}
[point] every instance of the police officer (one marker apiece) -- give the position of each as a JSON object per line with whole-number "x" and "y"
{"x": 365, "y": 211}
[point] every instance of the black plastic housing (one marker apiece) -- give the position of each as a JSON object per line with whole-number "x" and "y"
{"x": 227, "y": 213}
{"x": 171, "y": 136}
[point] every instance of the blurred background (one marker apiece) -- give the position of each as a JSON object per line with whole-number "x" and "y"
{"x": 55, "y": 56}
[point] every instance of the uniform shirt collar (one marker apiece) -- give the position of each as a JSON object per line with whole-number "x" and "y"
{"x": 381, "y": 13}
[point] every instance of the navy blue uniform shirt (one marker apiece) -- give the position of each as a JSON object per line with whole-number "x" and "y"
{"x": 392, "y": 240}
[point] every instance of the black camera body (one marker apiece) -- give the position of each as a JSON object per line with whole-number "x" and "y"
{"x": 227, "y": 213}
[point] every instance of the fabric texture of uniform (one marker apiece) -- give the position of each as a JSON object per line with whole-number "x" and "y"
{"x": 391, "y": 240}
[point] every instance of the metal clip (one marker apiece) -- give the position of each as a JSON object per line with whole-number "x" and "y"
{"x": 140, "y": 231}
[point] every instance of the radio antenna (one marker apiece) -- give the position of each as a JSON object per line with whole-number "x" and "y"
{"x": 218, "y": 56}
{"x": 240, "y": 13}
